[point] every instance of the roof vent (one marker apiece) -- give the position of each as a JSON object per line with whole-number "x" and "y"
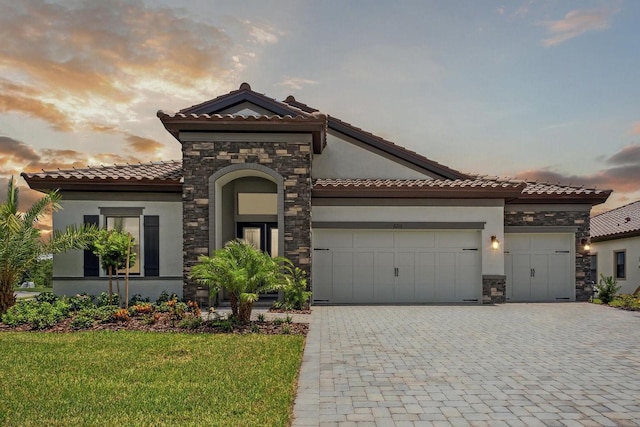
{"x": 627, "y": 219}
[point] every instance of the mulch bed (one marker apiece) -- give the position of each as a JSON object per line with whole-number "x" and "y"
{"x": 282, "y": 310}
{"x": 165, "y": 325}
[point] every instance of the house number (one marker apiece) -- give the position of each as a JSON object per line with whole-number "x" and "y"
{"x": 396, "y": 225}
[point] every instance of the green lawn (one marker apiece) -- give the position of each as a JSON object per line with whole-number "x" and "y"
{"x": 150, "y": 379}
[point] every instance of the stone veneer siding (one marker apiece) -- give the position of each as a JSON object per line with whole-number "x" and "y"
{"x": 494, "y": 289}
{"x": 200, "y": 160}
{"x": 577, "y": 219}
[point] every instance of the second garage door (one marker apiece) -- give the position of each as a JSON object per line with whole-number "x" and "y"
{"x": 381, "y": 266}
{"x": 539, "y": 267}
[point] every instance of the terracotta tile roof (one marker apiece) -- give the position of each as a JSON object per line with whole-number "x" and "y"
{"x": 413, "y": 183}
{"x": 540, "y": 191}
{"x": 441, "y": 188}
{"x": 620, "y": 222}
{"x": 167, "y": 174}
{"x": 236, "y": 118}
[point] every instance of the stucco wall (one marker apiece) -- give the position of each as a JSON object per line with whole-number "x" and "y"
{"x": 343, "y": 158}
{"x": 605, "y": 250}
{"x": 492, "y": 216}
{"x": 68, "y": 267}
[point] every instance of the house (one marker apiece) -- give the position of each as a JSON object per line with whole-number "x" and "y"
{"x": 615, "y": 246}
{"x": 371, "y": 221}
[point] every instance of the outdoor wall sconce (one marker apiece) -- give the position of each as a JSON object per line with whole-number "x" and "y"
{"x": 495, "y": 243}
{"x": 585, "y": 244}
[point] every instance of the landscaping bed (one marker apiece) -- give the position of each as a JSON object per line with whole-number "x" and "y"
{"x": 86, "y": 313}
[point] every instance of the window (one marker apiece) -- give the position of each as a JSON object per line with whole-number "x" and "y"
{"x": 593, "y": 268}
{"x": 257, "y": 204}
{"x": 620, "y": 264}
{"x": 129, "y": 225}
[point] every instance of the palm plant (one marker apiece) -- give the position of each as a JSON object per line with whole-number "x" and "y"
{"x": 243, "y": 271}
{"x": 20, "y": 240}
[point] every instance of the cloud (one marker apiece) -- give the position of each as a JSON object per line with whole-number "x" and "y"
{"x": 629, "y": 155}
{"x": 86, "y": 64}
{"x": 575, "y": 23}
{"x": 623, "y": 175}
{"x": 636, "y": 128}
{"x": 297, "y": 83}
{"x": 143, "y": 145}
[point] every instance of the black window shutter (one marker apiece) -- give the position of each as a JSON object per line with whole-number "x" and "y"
{"x": 91, "y": 260}
{"x": 151, "y": 245}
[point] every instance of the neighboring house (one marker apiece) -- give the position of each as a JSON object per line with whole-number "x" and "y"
{"x": 372, "y": 222}
{"x": 615, "y": 246}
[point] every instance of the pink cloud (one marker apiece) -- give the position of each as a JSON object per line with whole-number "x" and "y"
{"x": 575, "y": 23}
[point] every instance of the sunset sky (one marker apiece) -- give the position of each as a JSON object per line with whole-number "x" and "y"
{"x": 545, "y": 90}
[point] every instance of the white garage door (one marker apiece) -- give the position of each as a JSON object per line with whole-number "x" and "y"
{"x": 539, "y": 267}
{"x": 381, "y": 266}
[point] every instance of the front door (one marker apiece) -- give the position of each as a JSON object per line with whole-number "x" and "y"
{"x": 262, "y": 235}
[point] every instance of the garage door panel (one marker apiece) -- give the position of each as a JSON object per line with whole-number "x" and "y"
{"x": 467, "y": 280}
{"x": 363, "y": 270}
{"x": 342, "y": 276}
{"x": 550, "y": 242}
{"x": 367, "y": 239}
{"x": 446, "y": 277}
{"x": 515, "y": 242}
{"x": 323, "y": 275}
{"x": 332, "y": 239}
{"x": 383, "y": 282}
{"x": 521, "y": 279}
{"x": 560, "y": 275}
{"x": 540, "y": 277}
{"x": 425, "y": 288}
{"x": 412, "y": 239}
{"x": 456, "y": 239}
{"x": 404, "y": 290}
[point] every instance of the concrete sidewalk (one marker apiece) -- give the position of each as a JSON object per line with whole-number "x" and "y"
{"x": 563, "y": 364}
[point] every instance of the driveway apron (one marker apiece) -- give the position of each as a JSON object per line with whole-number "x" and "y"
{"x": 563, "y": 364}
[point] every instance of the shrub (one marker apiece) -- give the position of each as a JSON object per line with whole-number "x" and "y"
{"x": 81, "y": 301}
{"x": 82, "y": 322}
{"x": 102, "y": 314}
{"x": 103, "y": 299}
{"x": 628, "y": 302}
{"x": 296, "y": 296}
{"x": 607, "y": 289}
{"x": 49, "y": 297}
{"x": 151, "y": 318}
{"x": 165, "y": 297}
{"x": 137, "y": 299}
{"x": 121, "y": 315}
{"x": 141, "y": 308}
{"x": 38, "y": 315}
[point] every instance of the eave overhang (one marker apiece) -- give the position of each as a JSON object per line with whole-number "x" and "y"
{"x": 85, "y": 184}
{"x": 315, "y": 124}
{"x": 562, "y": 198}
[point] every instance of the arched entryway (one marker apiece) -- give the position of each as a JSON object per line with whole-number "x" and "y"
{"x": 246, "y": 201}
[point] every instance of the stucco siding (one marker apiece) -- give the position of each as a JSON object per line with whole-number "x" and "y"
{"x": 605, "y": 251}
{"x": 343, "y": 158}
{"x": 70, "y": 264}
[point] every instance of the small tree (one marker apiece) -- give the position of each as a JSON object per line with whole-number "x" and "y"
{"x": 607, "y": 289}
{"x": 243, "y": 271}
{"x": 20, "y": 241}
{"x": 114, "y": 249}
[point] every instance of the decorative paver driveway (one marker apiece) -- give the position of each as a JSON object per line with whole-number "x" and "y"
{"x": 572, "y": 364}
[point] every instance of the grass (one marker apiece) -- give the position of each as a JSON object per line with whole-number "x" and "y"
{"x": 150, "y": 379}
